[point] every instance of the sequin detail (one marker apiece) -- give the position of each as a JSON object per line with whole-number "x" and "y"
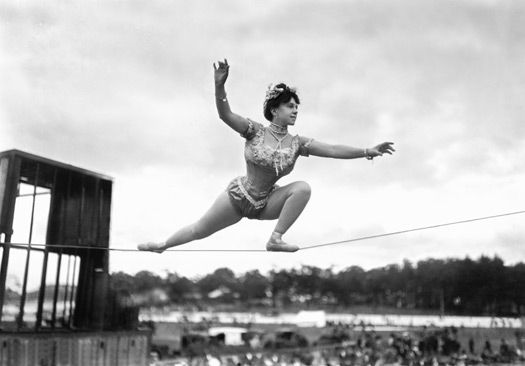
{"x": 250, "y": 131}
{"x": 256, "y": 204}
{"x": 265, "y": 166}
{"x": 303, "y": 149}
{"x": 281, "y": 160}
{"x": 244, "y": 204}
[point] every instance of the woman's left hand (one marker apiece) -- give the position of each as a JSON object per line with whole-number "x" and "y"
{"x": 379, "y": 150}
{"x": 221, "y": 72}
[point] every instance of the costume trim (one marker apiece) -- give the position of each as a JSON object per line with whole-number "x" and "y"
{"x": 256, "y": 204}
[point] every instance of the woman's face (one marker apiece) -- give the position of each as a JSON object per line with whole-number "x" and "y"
{"x": 286, "y": 113}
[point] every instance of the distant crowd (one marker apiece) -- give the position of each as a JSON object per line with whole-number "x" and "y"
{"x": 435, "y": 347}
{"x": 430, "y": 347}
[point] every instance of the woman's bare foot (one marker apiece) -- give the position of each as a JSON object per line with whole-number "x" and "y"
{"x": 275, "y": 244}
{"x": 151, "y": 247}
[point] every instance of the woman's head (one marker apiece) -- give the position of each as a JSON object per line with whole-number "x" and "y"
{"x": 276, "y": 95}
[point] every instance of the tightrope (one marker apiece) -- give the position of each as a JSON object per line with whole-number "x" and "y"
{"x": 262, "y": 250}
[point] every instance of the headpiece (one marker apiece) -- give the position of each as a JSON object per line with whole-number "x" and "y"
{"x": 273, "y": 92}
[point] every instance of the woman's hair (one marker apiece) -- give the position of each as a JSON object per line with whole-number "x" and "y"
{"x": 276, "y": 95}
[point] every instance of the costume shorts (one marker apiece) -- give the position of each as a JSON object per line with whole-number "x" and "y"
{"x": 243, "y": 203}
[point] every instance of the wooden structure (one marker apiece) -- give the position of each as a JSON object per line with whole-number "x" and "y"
{"x": 58, "y": 282}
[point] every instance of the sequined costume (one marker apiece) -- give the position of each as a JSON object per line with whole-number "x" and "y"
{"x": 264, "y": 167}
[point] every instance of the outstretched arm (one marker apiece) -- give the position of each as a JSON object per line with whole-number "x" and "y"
{"x": 348, "y": 152}
{"x": 236, "y": 122}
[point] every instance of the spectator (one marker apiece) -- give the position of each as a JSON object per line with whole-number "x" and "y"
{"x": 504, "y": 350}
{"x": 488, "y": 347}
{"x": 487, "y": 351}
{"x": 471, "y": 346}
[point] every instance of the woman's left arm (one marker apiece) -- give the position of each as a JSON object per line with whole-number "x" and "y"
{"x": 325, "y": 150}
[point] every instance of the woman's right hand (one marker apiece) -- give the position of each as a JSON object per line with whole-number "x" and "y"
{"x": 221, "y": 72}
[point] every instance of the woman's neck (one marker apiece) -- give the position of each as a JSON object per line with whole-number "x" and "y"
{"x": 278, "y": 129}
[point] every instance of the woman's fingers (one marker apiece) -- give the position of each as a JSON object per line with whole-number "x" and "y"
{"x": 387, "y": 147}
{"x": 221, "y": 65}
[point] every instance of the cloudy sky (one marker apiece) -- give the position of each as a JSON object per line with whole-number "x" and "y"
{"x": 125, "y": 88}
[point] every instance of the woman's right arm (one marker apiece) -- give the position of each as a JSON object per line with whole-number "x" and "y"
{"x": 236, "y": 122}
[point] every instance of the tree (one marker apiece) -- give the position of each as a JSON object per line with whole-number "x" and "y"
{"x": 456, "y": 286}
{"x": 121, "y": 281}
{"x": 221, "y": 278}
{"x": 407, "y": 284}
{"x": 180, "y": 288}
{"x": 281, "y": 287}
{"x": 376, "y": 286}
{"x": 146, "y": 281}
{"x": 430, "y": 286}
{"x": 491, "y": 290}
{"x": 516, "y": 288}
{"x": 309, "y": 283}
{"x": 253, "y": 286}
{"x": 350, "y": 289}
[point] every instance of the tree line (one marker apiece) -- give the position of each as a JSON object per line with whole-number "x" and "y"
{"x": 485, "y": 286}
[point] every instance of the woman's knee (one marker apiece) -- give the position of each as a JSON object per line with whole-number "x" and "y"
{"x": 199, "y": 231}
{"x": 302, "y": 188}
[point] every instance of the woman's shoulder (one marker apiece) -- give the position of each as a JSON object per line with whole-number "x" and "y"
{"x": 303, "y": 140}
{"x": 253, "y": 128}
{"x": 304, "y": 144}
{"x": 256, "y": 125}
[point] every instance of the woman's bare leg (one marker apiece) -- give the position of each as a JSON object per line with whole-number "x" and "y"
{"x": 285, "y": 204}
{"x": 219, "y": 216}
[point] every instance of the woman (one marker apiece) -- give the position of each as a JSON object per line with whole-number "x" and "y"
{"x": 270, "y": 153}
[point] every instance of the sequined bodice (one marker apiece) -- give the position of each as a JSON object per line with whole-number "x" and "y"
{"x": 266, "y": 165}
{"x": 279, "y": 162}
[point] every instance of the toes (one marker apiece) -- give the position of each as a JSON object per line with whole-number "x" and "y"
{"x": 149, "y": 247}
